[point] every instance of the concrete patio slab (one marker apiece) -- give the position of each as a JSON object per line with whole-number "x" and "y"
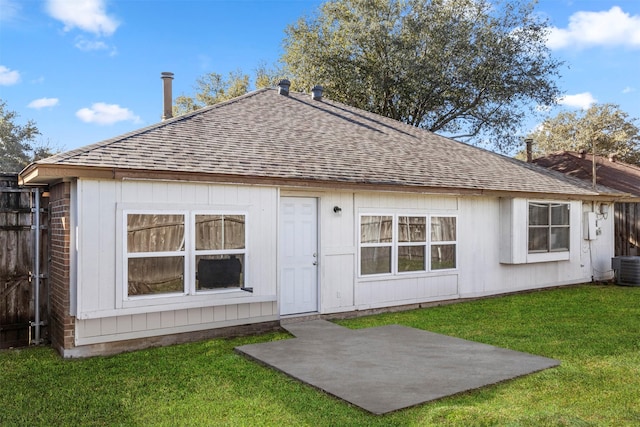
{"x": 391, "y": 367}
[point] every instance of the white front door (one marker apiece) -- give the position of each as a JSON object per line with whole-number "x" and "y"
{"x": 298, "y": 255}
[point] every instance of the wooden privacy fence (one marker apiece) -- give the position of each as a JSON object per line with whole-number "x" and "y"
{"x": 627, "y": 228}
{"x": 23, "y": 264}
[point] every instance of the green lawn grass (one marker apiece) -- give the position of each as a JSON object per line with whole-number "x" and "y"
{"x": 594, "y": 330}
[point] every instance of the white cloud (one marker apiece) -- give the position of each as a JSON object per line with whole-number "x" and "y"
{"x": 8, "y": 77}
{"x": 106, "y": 114}
{"x": 10, "y": 10}
{"x": 43, "y": 102}
{"x": 94, "y": 45}
{"x": 607, "y": 28}
{"x": 87, "y": 45}
{"x": 628, "y": 89}
{"x": 87, "y": 15}
{"x": 580, "y": 100}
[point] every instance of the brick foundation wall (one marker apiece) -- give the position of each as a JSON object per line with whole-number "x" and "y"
{"x": 62, "y": 324}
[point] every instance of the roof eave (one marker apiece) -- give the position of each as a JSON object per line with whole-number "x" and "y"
{"x": 38, "y": 174}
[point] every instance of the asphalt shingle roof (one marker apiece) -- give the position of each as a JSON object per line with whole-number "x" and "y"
{"x": 613, "y": 174}
{"x": 267, "y": 135}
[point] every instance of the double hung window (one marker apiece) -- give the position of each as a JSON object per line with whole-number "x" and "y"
{"x": 155, "y": 253}
{"x": 443, "y": 242}
{"x": 396, "y": 244}
{"x": 549, "y": 228}
{"x": 412, "y": 243}
{"x": 376, "y": 240}
{"x": 219, "y": 251}
{"x": 183, "y": 252}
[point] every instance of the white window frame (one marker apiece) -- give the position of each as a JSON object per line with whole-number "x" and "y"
{"x": 433, "y": 243}
{"x": 129, "y": 255}
{"x": 395, "y": 244}
{"x": 377, "y": 245}
{"x": 424, "y": 244}
{"x": 189, "y": 253}
{"x": 514, "y": 232}
{"x": 203, "y": 252}
{"x": 549, "y": 227}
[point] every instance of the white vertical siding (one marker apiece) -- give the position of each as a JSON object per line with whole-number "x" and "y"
{"x": 492, "y": 261}
{"x": 102, "y": 315}
{"x": 513, "y": 217}
{"x": 491, "y": 238}
{"x": 390, "y": 290}
{"x": 109, "y": 329}
{"x": 596, "y": 254}
{"x": 96, "y": 238}
{"x": 413, "y": 202}
{"x": 337, "y": 251}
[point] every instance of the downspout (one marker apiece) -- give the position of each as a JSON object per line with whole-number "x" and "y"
{"x": 36, "y": 264}
{"x": 593, "y": 209}
{"x": 593, "y": 166}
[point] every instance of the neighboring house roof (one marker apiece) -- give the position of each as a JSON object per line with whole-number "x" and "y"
{"x": 271, "y": 138}
{"x": 609, "y": 172}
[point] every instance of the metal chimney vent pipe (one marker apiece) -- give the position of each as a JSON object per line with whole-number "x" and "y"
{"x": 167, "y": 84}
{"x": 283, "y": 87}
{"x": 529, "y": 149}
{"x": 316, "y": 92}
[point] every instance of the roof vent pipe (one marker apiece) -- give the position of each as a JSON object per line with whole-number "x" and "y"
{"x": 529, "y": 144}
{"x": 167, "y": 78}
{"x": 613, "y": 157}
{"x": 283, "y": 87}
{"x": 316, "y": 93}
{"x": 583, "y": 153}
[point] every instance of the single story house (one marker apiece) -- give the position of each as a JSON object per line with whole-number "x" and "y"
{"x": 614, "y": 174}
{"x": 278, "y": 204}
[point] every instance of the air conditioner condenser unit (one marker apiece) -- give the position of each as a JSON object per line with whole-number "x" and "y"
{"x": 627, "y": 270}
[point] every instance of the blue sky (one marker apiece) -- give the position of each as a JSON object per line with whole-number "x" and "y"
{"x": 88, "y": 70}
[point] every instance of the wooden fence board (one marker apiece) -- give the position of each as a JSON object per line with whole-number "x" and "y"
{"x": 16, "y": 259}
{"x": 627, "y": 228}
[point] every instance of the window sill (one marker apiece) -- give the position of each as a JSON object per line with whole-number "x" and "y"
{"x": 547, "y": 257}
{"x": 207, "y": 295}
{"x": 407, "y": 275}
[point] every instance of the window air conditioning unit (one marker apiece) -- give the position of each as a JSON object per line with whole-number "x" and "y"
{"x": 627, "y": 270}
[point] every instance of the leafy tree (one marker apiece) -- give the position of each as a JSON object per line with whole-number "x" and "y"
{"x": 467, "y": 68}
{"x": 613, "y": 131}
{"x": 17, "y": 142}
{"x": 268, "y": 76}
{"x": 211, "y": 89}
